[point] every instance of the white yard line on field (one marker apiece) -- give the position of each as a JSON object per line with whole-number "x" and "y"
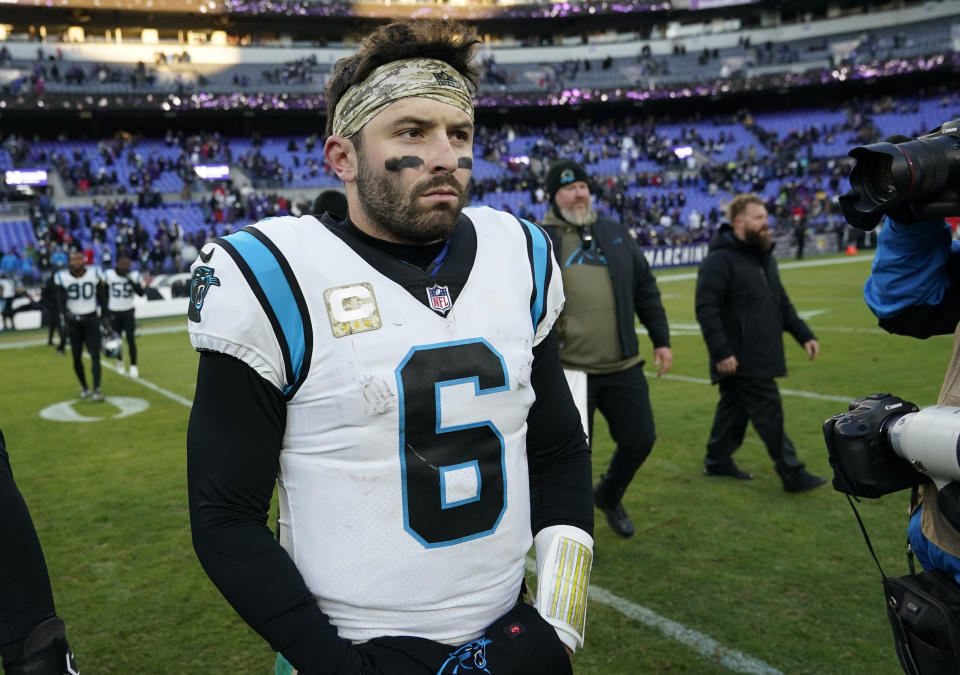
{"x": 37, "y": 342}
{"x": 685, "y": 276}
{"x": 683, "y": 329}
{"x": 787, "y": 392}
{"x": 693, "y": 328}
{"x": 704, "y": 645}
{"x": 106, "y": 363}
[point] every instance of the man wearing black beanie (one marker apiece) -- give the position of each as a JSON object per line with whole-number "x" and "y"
{"x": 607, "y": 281}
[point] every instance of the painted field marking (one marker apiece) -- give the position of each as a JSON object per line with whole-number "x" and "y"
{"x": 679, "y": 328}
{"x": 146, "y": 383}
{"x": 686, "y": 276}
{"x": 37, "y": 342}
{"x": 788, "y": 392}
{"x": 65, "y": 412}
{"x": 704, "y": 645}
{"x": 687, "y": 328}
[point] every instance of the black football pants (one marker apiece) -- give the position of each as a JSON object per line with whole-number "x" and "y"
{"x": 25, "y": 595}
{"x": 125, "y": 324}
{"x": 85, "y": 330}
{"x": 623, "y": 399}
{"x": 754, "y": 399}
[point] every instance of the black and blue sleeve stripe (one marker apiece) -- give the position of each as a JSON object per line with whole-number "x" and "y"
{"x": 539, "y": 253}
{"x": 272, "y": 281}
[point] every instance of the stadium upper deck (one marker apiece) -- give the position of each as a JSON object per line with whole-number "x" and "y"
{"x": 673, "y": 62}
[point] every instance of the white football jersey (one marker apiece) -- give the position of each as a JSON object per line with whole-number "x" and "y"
{"x": 121, "y": 293}
{"x": 404, "y": 494}
{"x": 82, "y": 290}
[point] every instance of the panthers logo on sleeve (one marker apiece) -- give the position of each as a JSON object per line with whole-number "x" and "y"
{"x": 200, "y": 283}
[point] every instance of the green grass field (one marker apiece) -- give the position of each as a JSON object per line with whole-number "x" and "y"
{"x": 777, "y": 582}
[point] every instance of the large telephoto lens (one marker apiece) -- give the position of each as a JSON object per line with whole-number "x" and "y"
{"x": 886, "y": 174}
{"x": 928, "y": 440}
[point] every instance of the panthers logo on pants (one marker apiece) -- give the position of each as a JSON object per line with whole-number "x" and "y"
{"x": 200, "y": 283}
{"x": 471, "y": 657}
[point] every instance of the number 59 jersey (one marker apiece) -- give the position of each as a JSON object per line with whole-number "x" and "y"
{"x": 121, "y": 293}
{"x": 404, "y": 492}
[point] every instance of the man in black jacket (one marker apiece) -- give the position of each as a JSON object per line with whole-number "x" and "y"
{"x": 743, "y": 310}
{"x": 606, "y": 281}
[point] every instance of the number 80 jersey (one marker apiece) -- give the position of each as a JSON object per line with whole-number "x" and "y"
{"x": 404, "y": 493}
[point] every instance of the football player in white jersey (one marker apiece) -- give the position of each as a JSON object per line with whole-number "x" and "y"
{"x": 395, "y": 374}
{"x": 81, "y": 294}
{"x": 122, "y": 283}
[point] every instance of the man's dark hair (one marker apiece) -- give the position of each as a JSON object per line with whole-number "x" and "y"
{"x": 448, "y": 41}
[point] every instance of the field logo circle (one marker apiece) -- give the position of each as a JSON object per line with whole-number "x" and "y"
{"x": 65, "y": 412}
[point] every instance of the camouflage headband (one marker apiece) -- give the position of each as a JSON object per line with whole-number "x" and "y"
{"x": 426, "y": 78}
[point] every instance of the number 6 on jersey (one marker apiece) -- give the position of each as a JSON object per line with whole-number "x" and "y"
{"x": 454, "y": 480}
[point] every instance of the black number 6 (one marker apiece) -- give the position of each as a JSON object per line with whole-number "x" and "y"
{"x": 434, "y": 459}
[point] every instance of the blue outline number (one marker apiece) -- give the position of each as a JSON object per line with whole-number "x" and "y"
{"x": 430, "y": 451}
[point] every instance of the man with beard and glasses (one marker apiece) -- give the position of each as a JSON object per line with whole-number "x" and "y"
{"x": 395, "y": 375}
{"x": 743, "y": 311}
{"x": 607, "y": 281}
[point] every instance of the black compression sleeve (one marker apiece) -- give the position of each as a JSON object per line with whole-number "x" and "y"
{"x": 561, "y": 490}
{"x": 233, "y": 448}
{"x": 103, "y": 297}
{"x": 62, "y": 300}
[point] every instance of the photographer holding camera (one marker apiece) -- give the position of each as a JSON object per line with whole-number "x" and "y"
{"x": 885, "y": 444}
{"x": 914, "y": 289}
{"x": 914, "y": 286}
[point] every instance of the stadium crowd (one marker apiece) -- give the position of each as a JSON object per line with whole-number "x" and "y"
{"x": 107, "y": 227}
{"x": 663, "y": 198}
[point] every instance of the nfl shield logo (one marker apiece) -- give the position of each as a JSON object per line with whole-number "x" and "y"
{"x": 439, "y": 298}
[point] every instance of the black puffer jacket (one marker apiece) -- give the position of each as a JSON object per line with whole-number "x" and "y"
{"x": 743, "y": 309}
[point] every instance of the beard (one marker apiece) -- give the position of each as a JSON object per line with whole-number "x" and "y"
{"x": 397, "y": 213}
{"x": 760, "y": 240}
{"x": 580, "y": 215}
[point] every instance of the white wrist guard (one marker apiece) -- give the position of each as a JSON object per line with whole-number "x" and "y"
{"x": 564, "y": 559}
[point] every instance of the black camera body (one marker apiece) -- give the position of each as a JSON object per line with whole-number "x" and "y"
{"x": 884, "y": 444}
{"x": 909, "y": 179}
{"x": 864, "y": 464}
